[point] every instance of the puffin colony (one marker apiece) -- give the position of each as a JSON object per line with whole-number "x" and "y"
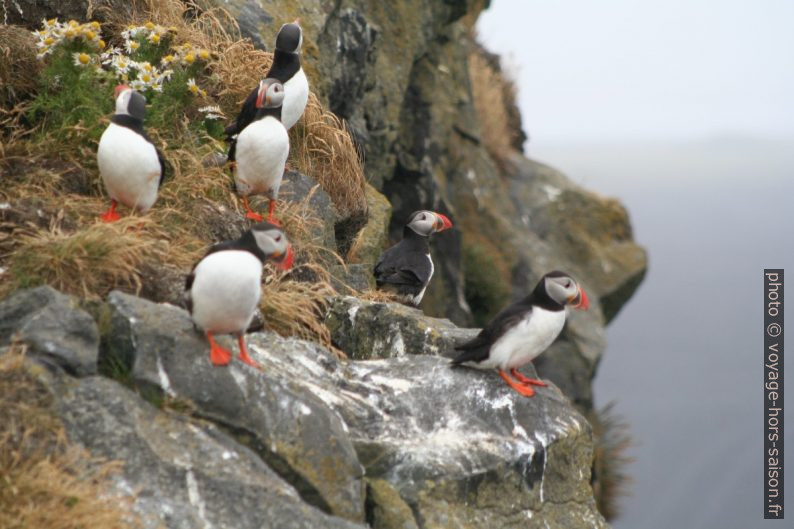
{"x": 223, "y": 289}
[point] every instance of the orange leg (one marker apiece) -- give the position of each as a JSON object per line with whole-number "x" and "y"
{"x": 251, "y": 214}
{"x": 270, "y": 209}
{"x": 527, "y": 381}
{"x": 526, "y": 391}
{"x": 218, "y": 355}
{"x": 111, "y": 215}
{"x": 244, "y": 353}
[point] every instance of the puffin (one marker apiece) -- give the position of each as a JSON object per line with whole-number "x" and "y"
{"x": 132, "y": 168}
{"x": 223, "y": 290}
{"x": 286, "y": 68}
{"x": 524, "y": 330}
{"x": 262, "y": 150}
{"x": 405, "y": 269}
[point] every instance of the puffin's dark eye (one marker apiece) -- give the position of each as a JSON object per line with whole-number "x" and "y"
{"x": 423, "y": 217}
{"x": 568, "y": 284}
{"x": 277, "y": 238}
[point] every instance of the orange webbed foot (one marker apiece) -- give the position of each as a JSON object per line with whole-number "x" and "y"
{"x": 254, "y": 216}
{"x": 218, "y": 355}
{"x": 244, "y": 354}
{"x": 111, "y": 215}
{"x": 526, "y": 380}
{"x": 521, "y": 389}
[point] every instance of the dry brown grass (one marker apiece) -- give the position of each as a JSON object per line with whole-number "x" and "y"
{"x": 87, "y": 262}
{"x": 46, "y": 481}
{"x": 18, "y": 65}
{"x": 611, "y": 481}
{"x": 297, "y": 308}
{"x": 494, "y": 94}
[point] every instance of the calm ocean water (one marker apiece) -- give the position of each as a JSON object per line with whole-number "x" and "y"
{"x": 684, "y": 360}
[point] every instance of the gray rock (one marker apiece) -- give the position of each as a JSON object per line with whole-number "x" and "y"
{"x": 183, "y": 474}
{"x": 288, "y": 426}
{"x": 298, "y": 188}
{"x": 30, "y": 13}
{"x": 54, "y": 329}
{"x": 369, "y": 329}
{"x": 453, "y": 447}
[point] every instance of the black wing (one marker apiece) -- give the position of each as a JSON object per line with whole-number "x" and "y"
{"x": 403, "y": 268}
{"x": 479, "y": 347}
{"x": 244, "y": 118}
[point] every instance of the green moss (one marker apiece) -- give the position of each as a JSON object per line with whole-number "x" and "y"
{"x": 486, "y": 291}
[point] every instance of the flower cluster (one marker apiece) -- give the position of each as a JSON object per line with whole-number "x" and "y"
{"x": 56, "y": 33}
{"x": 150, "y": 32}
{"x": 141, "y": 75}
{"x": 186, "y": 54}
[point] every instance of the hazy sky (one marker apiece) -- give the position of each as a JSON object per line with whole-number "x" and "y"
{"x": 651, "y": 69}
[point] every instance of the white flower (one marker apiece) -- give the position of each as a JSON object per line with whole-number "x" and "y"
{"x": 81, "y": 59}
{"x": 212, "y": 112}
{"x": 192, "y": 86}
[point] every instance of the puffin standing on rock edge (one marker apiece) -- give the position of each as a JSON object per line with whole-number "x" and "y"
{"x": 224, "y": 288}
{"x": 522, "y": 331}
{"x": 132, "y": 168}
{"x": 405, "y": 269}
{"x": 286, "y": 68}
{"x": 262, "y": 150}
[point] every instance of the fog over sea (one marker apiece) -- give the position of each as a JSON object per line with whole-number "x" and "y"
{"x": 685, "y": 356}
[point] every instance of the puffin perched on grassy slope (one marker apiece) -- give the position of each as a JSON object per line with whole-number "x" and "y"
{"x": 524, "y": 330}
{"x": 224, "y": 288}
{"x": 406, "y": 268}
{"x": 132, "y": 168}
{"x": 287, "y": 70}
{"x": 262, "y": 149}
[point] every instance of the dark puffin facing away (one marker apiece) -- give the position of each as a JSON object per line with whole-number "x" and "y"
{"x": 524, "y": 330}
{"x": 224, "y": 288}
{"x": 287, "y": 70}
{"x": 406, "y": 268}
{"x": 132, "y": 168}
{"x": 262, "y": 149}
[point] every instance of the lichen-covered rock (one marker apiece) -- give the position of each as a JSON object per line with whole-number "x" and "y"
{"x": 369, "y": 329}
{"x": 455, "y": 447}
{"x": 292, "y": 430}
{"x": 181, "y": 473}
{"x": 52, "y": 326}
{"x": 374, "y": 236}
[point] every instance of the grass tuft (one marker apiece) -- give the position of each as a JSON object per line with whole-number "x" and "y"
{"x": 46, "y": 481}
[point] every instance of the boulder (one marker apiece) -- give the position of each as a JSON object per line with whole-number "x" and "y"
{"x": 54, "y": 329}
{"x": 370, "y": 329}
{"x": 181, "y": 473}
{"x": 373, "y": 237}
{"x": 156, "y": 348}
{"x": 448, "y": 447}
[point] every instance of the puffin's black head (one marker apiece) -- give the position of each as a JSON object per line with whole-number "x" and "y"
{"x": 290, "y": 38}
{"x": 129, "y": 102}
{"x": 270, "y": 94}
{"x": 273, "y": 244}
{"x": 564, "y": 290}
{"x": 426, "y": 223}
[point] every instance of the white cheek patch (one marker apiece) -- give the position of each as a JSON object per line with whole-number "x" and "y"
{"x": 264, "y": 241}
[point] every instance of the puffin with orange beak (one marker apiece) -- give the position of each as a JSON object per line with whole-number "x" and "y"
{"x": 286, "y": 69}
{"x": 132, "y": 168}
{"x": 262, "y": 150}
{"x": 224, "y": 288}
{"x": 405, "y": 269}
{"x": 524, "y": 330}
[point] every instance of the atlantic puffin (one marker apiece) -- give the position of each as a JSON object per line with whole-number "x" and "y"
{"x": 224, "y": 288}
{"x": 405, "y": 269}
{"x": 132, "y": 168}
{"x": 286, "y": 68}
{"x": 523, "y": 330}
{"x": 262, "y": 150}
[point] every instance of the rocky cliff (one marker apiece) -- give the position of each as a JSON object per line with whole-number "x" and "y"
{"x": 390, "y": 436}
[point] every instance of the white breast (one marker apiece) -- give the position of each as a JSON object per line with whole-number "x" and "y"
{"x": 296, "y": 94}
{"x": 129, "y": 167}
{"x": 526, "y": 340}
{"x": 418, "y": 298}
{"x": 262, "y": 150}
{"x": 226, "y": 291}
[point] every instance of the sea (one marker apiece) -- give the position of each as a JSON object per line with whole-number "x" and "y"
{"x": 684, "y": 361}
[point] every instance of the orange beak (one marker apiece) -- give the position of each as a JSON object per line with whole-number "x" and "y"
{"x": 443, "y": 222}
{"x": 260, "y": 96}
{"x": 580, "y": 301}
{"x": 119, "y": 89}
{"x": 286, "y": 262}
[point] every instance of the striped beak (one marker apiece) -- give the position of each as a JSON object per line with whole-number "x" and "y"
{"x": 442, "y": 222}
{"x": 580, "y": 301}
{"x": 286, "y": 261}
{"x": 260, "y": 95}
